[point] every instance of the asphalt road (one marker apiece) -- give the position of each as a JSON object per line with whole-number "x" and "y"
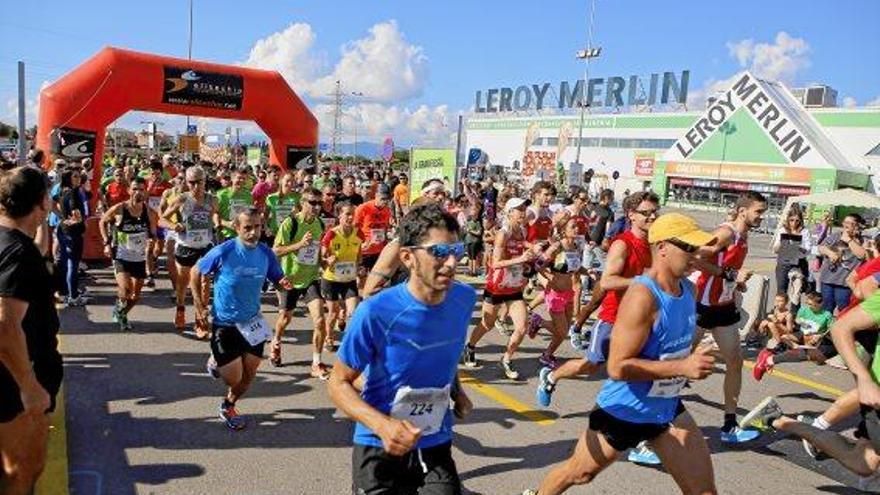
{"x": 142, "y": 417}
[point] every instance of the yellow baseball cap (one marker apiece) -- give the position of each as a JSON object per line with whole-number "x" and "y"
{"x": 678, "y": 226}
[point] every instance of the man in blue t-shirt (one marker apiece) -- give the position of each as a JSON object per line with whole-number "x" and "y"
{"x": 239, "y": 266}
{"x": 406, "y": 341}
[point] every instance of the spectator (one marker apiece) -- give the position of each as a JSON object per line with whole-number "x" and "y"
{"x": 842, "y": 252}
{"x": 70, "y": 233}
{"x": 791, "y": 247}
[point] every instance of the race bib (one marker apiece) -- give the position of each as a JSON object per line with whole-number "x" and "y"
{"x": 255, "y": 331}
{"x": 153, "y": 203}
{"x": 728, "y": 288}
{"x": 377, "y": 235}
{"x": 513, "y": 276}
{"x": 132, "y": 247}
{"x": 425, "y": 408}
{"x": 668, "y": 388}
{"x": 198, "y": 237}
{"x": 573, "y": 261}
{"x": 344, "y": 270}
{"x": 308, "y": 255}
{"x": 236, "y": 207}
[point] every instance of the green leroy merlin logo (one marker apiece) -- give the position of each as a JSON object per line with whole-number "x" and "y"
{"x": 751, "y": 94}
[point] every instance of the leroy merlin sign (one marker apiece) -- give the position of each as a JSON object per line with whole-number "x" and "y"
{"x": 753, "y": 95}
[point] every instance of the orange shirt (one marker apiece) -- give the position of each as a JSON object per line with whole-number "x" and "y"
{"x": 373, "y": 223}
{"x": 401, "y": 195}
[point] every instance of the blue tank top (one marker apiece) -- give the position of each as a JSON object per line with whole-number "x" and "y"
{"x": 655, "y": 401}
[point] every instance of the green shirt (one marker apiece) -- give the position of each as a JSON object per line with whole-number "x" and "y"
{"x": 811, "y": 323}
{"x": 279, "y": 209}
{"x": 301, "y": 267}
{"x": 228, "y": 203}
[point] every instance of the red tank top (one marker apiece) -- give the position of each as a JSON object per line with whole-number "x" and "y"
{"x": 541, "y": 229}
{"x": 715, "y": 291}
{"x": 638, "y": 259}
{"x": 508, "y": 280}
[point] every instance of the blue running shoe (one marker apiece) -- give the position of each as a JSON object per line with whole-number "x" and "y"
{"x": 544, "y": 394}
{"x": 643, "y": 454}
{"x": 231, "y": 417}
{"x": 739, "y": 435}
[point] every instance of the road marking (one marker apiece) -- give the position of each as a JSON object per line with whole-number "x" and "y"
{"x": 54, "y": 479}
{"x": 505, "y": 400}
{"x": 828, "y": 389}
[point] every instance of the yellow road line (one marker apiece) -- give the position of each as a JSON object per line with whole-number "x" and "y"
{"x": 55, "y": 476}
{"x": 800, "y": 380}
{"x": 506, "y": 400}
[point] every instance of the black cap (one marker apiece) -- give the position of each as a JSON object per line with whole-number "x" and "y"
{"x": 383, "y": 191}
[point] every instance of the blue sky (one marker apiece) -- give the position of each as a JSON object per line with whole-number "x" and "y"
{"x": 444, "y": 51}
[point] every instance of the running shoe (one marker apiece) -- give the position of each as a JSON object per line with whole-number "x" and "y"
{"x": 811, "y": 450}
{"x": 211, "y": 368}
{"x": 643, "y": 454}
{"x": 548, "y": 360}
{"x": 739, "y": 435}
{"x": 180, "y": 318}
{"x": 509, "y": 370}
{"x": 74, "y": 302}
{"x": 761, "y": 364}
{"x": 122, "y": 319}
{"x": 231, "y": 418}
{"x": 534, "y": 325}
{"x": 320, "y": 371}
{"x": 544, "y": 394}
{"x": 275, "y": 353}
{"x": 763, "y": 415}
{"x": 116, "y": 312}
{"x": 201, "y": 328}
{"x": 529, "y": 492}
{"x": 151, "y": 282}
{"x": 575, "y": 337}
{"x": 469, "y": 357}
{"x": 503, "y": 327}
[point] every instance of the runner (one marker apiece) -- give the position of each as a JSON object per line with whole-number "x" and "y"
{"x": 373, "y": 219}
{"x": 649, "y": 363}
{"x": 340, "y": 251}
{"x": 505, "y": 284}
{"x": 863, "y": 457}
{"x": 403, "y": 436}
{"x": 156, "y": 187}
{"x": 327, "y": 211}
{"x": 238, "y": 331}
{"x": 279, "y": 205}
{"x": 721, "y": 277}
{"x": 189, "y": 215}
{"x": 349, "y": 194}
{"x": 30, "y": 364}
{"x": 128, "y": 245}
{"x": 115, "y": 189}
{"x": 178, "y": 187}
{"x": 628, "y": 257}
{"x": 297, "y": 245}
{"x": 230, "y": 200}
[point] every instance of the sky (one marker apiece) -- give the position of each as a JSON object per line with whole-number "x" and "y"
{"x": 418, "y": 64}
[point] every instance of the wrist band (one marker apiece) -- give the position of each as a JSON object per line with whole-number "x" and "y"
{"x": 380, "y": 274}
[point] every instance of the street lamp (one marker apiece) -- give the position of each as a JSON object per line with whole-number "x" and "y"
{"x": 585, "y": 55}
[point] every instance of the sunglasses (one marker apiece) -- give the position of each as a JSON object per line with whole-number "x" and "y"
{"x": 648, "y": 213}
{"x": 314, "y": 202}
{"x": 443, "y": 251}
{"x": 688, "y": 248}
{"x": 194, "y": 182}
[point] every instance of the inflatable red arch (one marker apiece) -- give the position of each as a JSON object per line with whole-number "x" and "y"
{"x": 76, "y": 109}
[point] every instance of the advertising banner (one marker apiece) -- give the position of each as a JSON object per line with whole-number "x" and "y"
{"x": 427, "y": 164}
{"x": 575, "y": 174}
{"x": 645, "y": 164}
{"x": 254, "y": 153}
{"x": 300, "y": 158}
{"x": 747, "y": 173}
{"x": 73, "y": 144}
{"x": 540, "y": 164}
{"x": 203, "y": 89}
{"x": 187, "y": 143}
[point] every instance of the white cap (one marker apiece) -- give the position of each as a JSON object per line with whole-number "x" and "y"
{"x": 514, "y": 203}
{"x": 167, "y": 157}
{"x": 433, "y": 186}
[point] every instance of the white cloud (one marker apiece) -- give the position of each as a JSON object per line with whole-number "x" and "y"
{"x": 873, "y": 103}
{"x": 31, "y": 109}
{"x": 383, "y": 66}
{"x": 849, "y": 102}
{"x": 780, "y": 60}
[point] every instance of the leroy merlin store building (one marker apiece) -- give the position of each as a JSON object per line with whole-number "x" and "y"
{"x": 756, "y": 136}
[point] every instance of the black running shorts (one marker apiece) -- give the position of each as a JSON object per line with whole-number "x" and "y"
{"x": 228, "y": 344}
{"x": 338, "y": 291}
{"x": 623, "y": 435}
{"x": 710, "y": 317}
{"x": 428, "y": 471}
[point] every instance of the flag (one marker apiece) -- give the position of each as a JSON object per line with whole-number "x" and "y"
{"x": 531, "y": 134}
{"x": 388, "y": 149}
{"x": 565, "y": 132}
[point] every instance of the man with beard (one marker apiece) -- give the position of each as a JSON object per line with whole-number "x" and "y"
{"x": 134, "y": 225}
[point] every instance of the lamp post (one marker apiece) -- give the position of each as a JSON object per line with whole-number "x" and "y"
{"x": 586, "y": 54}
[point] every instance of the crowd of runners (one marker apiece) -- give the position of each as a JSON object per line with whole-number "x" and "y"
{"x": 647, "y": 297}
